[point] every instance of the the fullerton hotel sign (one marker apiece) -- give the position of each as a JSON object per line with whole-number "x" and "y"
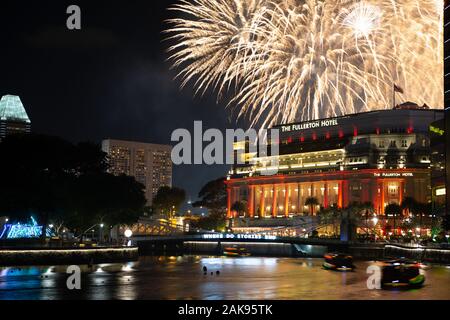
{"x": 310, "y": 125}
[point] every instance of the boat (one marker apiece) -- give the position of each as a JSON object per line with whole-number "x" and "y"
{"x": 338, "y": 262}
{"x": 236, "y": 252}
{"x": 401, "y": 273}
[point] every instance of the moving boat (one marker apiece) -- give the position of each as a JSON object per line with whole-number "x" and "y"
{"x": 338, "y": 261}
{"x": 401, "y": 273}
{"x": 236, "y": 252}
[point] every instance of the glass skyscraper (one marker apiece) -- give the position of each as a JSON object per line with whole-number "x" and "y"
{"x": 13, "y": 117}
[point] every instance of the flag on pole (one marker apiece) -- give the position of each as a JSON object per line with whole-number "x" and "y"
{"x": 398, "y": 89}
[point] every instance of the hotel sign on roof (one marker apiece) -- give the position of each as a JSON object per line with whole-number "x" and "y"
{"x": 310, "y": 125}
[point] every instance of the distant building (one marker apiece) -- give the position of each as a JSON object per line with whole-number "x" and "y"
{"x": 437, "y": 145}
{"x": 149, "y": 164}
{"x": 13, "y": 117}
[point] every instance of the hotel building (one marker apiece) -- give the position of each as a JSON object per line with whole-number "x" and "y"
{"x": 379, "y": 157}
{"x": 13, "y": 117}
{"x": 149, "y": 164}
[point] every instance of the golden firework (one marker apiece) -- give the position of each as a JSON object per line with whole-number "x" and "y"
{"x": 293, "y": 60}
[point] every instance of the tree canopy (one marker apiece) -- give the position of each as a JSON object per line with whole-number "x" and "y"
{"x": 393, "y": 209}
{"x": 55, "y": 180}
{"x": 168, "y": 200}
{"x": 240, "y": 207}
{"x": 311, "y": 202}
{"x": 213, "y": 196}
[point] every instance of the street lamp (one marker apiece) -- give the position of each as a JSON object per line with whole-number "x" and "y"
{"x": 100, "y": 231}
{"x": 128, "y": 233}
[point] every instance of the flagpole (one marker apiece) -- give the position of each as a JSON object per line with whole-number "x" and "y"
{"x": 393, "y": 95}
{"x": 393, "y": 86}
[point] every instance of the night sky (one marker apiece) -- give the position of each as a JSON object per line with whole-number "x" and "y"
{"x": 108, "y": 80}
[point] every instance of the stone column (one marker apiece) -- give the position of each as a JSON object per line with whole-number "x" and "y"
{"x": 401, "y": 191}
{"x": 286, "y": 200}
{"x": 365, "y": 190}
{"x": 340, "y": 195}
{"x": 229, "y": 195}
{"x": 345, "y": 193}
{"x": 262, "y": 207}
{"x": 251, "y": 201}
{"x": 274, "y": 201}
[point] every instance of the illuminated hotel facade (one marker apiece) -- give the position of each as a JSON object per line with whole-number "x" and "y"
{"x": 379, "y": 157}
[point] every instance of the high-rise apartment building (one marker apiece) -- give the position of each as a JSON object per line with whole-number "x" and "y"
{"x": 150, "y": 164}
{"x": 13, "y": 117}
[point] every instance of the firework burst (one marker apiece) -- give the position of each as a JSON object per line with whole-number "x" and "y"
{"x": 214, "y": 40}
{"x": 292, "y": 60}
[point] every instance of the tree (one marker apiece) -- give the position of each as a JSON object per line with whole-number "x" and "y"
{"x": 104, "y": 198}
{"x": 168, "y": 200}
{"x": 213, "y": 196}
{"x": 394, "y": 210}
{"x": 64, "y": 183}
{"x": 35, "y": 172}
{"x": 214, "y": 221}
{"x": 328, "y": 216}
{"x": 240, "y": 207}
{"x": 446, "y": 222}
{"x": 423, "y": 209}
{"x": 311, "y": 202}
{"x": 409, "y": 205}
{"x": 367, "y": 208}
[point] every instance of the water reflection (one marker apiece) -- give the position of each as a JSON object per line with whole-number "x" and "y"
{"x": 183, "y": 278}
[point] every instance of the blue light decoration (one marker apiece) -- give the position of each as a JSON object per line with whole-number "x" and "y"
{"x": 23, "y": 231}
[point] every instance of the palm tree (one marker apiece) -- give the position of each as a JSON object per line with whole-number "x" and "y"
{"x": 239, "y": 207}
{"x": 394, "y": 210}
{"x": 366, "y": 210}
{"x": 327, "y": 218}
{"x": 423, "y": 209}
{"x": 311, "y": 202}
{"x": 410, "y": 205}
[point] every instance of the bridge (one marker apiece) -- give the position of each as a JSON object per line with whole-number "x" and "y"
{"x": 258, "y": 244}
{"x": 232, "y": 237}
{"x": 265, "y": 237}
{"x": 297, "y": 227}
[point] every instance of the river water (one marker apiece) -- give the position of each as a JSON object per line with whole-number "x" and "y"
{"x": 239, "y": 278}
